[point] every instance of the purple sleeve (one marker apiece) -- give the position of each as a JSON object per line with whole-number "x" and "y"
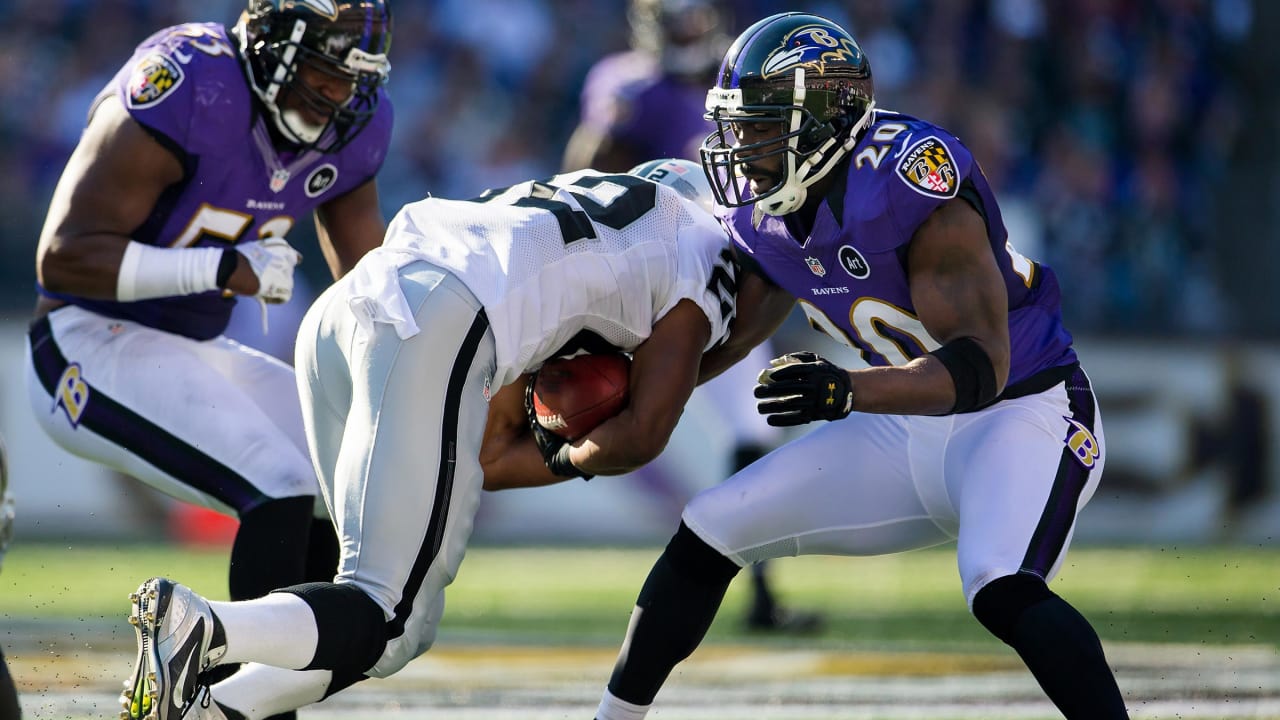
{"x": 150, "y": 87}
{"x": 186, "y": 84}
{"x": 928, "y": 173}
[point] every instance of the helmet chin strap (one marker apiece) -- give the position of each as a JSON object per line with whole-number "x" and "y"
{"x": 291, "y": 123}
{"x": 288, "y": 122}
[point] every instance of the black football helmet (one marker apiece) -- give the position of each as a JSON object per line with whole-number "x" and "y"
{"x": 346, "y": 39}
{"x": 686, "y": 36}
{"x": 805, "y": 73}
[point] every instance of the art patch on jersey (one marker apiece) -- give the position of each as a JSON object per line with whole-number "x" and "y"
{"x": 321, "y": 179}
{"x": 810, "y": 47}
{"x": 853, "y": 262}
{"x": 928, "y": 168}
{"x": 815, "y": 266}
{"x": 1081, "y": 442}
{"x": 153, "y": 79}
{"x": 72, "y": 394}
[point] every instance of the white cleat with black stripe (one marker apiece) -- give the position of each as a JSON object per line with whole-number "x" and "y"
{"x": 175, "y": 629}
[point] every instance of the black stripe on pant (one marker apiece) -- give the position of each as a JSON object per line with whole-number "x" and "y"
{"x": 1079, "y": 456}
{"x": 444, "y": 474}
{"x": 118, "y": 424}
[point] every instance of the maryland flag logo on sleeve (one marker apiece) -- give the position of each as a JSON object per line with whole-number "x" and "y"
{"x": 152, "y": 80}
{"x": 927, "y": 168}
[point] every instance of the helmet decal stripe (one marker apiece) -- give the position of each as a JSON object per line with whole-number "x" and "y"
{"x": 324, "y": 8}
{"x": 366, "y": 37}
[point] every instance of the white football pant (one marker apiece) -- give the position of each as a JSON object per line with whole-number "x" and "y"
{"x": 1005, "y": 482}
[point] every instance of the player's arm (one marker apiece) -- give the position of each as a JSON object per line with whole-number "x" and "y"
{"x": 508, "y": 455}
{"x": 108, "y": 188}
{"x": 664, "y": 370}
{"x": 762, "y": 307}
{"x": 349, "y": 226}
{"x": 960, "y": 297}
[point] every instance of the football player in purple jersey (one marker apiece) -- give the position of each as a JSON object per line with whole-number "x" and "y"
{"x": 646, "y": 103}
{"x": 199, "y": 158}
{"x": 973, "y": 421}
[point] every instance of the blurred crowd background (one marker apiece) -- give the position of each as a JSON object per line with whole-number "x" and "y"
{"x": 1126, "y": 138}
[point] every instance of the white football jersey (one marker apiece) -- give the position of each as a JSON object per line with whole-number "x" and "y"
{"x": 581, "y": 262}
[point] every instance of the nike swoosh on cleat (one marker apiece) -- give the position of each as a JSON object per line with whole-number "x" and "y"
{"x": 192, "y": 665}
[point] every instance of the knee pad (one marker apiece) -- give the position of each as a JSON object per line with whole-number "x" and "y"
{"x": 351, "y": 627}
{"x": 999, "y": 605}
{"x": 691, "y": 555}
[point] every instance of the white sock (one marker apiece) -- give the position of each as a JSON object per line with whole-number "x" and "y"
{"x": 260, "y": 691}
{"x": 278, "y": 629}
{"x": 611, "y": 708}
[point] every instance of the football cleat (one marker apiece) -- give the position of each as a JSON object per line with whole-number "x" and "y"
{"x": 175, "y": 629}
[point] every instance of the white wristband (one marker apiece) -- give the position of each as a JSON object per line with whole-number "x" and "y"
{"x": 149, "y": 272}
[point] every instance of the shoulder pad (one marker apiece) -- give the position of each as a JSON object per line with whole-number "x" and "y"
{"x": 186, "y": 82}
{"x": 903, "y": 169}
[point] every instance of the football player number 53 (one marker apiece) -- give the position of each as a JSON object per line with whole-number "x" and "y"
{"x": 228, "y": 226}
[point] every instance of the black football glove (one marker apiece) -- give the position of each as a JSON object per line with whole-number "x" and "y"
{"x": 554, "y": 449}
{"x": 801, "y": 387}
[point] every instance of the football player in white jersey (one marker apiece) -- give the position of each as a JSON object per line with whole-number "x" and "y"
{"x": 412, "y": 371}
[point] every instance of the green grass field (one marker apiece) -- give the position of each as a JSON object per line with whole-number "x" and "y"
{"x": 1177, "y": 595}
{"x": 1212, "y": 601}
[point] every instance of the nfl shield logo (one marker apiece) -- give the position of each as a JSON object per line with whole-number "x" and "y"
{"x": 279, "y": 178}
{"x": 815, "y": 265}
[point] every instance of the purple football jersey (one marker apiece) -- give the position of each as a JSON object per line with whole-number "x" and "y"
{"x": 849, "y": 276}
{"x": 626, "y": 97}
{"x": 187, "y": 86}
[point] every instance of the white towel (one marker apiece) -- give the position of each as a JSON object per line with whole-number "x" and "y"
{"x": 376, "y": 295}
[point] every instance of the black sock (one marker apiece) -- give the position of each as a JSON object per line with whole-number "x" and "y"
{"x": 1063, "y": 652}
{"x": 322, "y": 552}
{"x": 270, "y": 548}
{"x": 762, "y": 602}
{"x": 270, "y": 551}
{"x": 9, "y": 707}
{"x": 676, "y": 606}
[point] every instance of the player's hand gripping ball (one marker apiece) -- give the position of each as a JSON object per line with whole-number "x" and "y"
{"x": 572, "y": 396}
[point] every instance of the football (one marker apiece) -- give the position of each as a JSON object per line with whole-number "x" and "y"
{"x": 571, "y": 396}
